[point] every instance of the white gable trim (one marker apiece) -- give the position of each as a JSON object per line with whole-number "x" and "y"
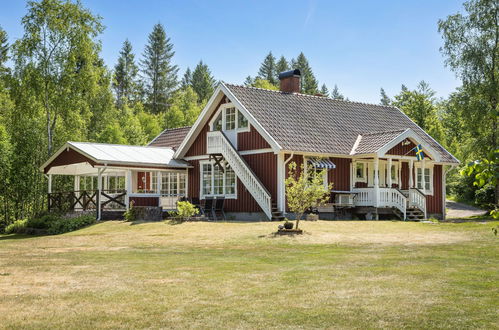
{"x": 411, "y": 135}
{"x": 66, "y": 145}
{"x": 202, "y": 120}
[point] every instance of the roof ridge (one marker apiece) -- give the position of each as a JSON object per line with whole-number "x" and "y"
{"x": 313, "y": 96}
{"x": 384, "y": 132}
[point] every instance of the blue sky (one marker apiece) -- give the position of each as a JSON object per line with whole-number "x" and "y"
{"x": 358, "y": 45}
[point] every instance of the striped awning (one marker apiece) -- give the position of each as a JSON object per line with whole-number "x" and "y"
{"x": 322, "y": 163}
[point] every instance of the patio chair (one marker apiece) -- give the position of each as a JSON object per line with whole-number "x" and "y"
{"x": 219, "y": 208}
{"x": 207, "y": 209}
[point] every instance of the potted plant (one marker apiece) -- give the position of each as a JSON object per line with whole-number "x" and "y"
{"x": 288, "y": 225}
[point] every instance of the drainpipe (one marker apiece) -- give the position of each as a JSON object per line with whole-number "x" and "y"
{"x": 282, "y": 196}
{"x": 444, "y": 189}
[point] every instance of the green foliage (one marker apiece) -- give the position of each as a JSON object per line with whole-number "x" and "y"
{"x": 4, "y": 49}
{"x": 17, "y": 227}
{"x": 305, "y": 189}
{"x": 186, "y": 210}
{"x": 336, "y": 95}
{"x": 130, "y": 214}
{"x": 420, "y": 105}
{"x": 324, "y": 90}
{"x": 202, "y": 82}
{"x": 384, "y": 99}
{"x": 265, "y": 84}
{"x": 125, "y": 75}
{"x": 281, "y": 66}
{"x": 268, "y": 70}
{"x": 184, "y": 109}
{"x": 309, "y": 84}
{"x": 160, "y": 75}
{"x": 42, "y": 221}
{"x": 186, "y": 79}
{"x": 63, "y": 225}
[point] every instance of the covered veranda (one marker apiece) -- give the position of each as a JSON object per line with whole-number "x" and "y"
{"x": 109, "y": 178}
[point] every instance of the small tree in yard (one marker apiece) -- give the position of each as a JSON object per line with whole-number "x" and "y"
{"x": 305, "y": 189}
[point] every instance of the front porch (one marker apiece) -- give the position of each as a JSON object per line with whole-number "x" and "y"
{"x": 110, "y": 186}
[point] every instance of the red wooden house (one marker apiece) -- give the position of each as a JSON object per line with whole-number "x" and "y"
{"x": 366, "y": 149}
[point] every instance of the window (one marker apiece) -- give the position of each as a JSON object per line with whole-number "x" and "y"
{"x": 215, "y": 182}
{"x": 242, "y": 122}
{"x": 230, "y": 119}
{"x": 154, "y": 179}
{"x": 206, "y": 177}
{"x": 428, "y": 180}
{"x": 360, "y": 172}
{"x": 394, "y": 173}
{"x": 217, "y": 125}
{"x": 182, "y": 184}
{"x": 173, "y": 184}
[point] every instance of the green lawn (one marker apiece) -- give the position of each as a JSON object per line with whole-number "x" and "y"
{"x": 235, "y": 275}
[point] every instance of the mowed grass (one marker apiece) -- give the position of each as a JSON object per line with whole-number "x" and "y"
{"x": 235, "y": 275}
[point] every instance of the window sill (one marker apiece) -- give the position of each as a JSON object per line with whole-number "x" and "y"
{"x": 216, "y": 196}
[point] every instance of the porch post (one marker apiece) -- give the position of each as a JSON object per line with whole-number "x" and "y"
{"x": 423, "y": 181}
{"x": 376, "y": 185}
{"x": 128, "y": 187}
{"x": 186, "y": 183}
{"x": 77, "y": 188}
{"x": 49, "y": 189}
{"x": 99, "y": 190}
{"x": 389, "y": 173}
{"x": 411, "y": 175}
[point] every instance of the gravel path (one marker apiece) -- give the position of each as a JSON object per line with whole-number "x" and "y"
{"x": 457, "y": 210}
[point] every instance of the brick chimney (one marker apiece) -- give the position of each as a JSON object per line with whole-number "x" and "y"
{"x": 290, "y": 81}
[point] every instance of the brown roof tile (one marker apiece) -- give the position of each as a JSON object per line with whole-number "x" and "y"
{"x": 170, "y": 137}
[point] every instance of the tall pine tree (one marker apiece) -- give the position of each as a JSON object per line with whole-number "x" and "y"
{"x": 4, "y": 49}
{"x": 202, "y": 82}
{"x": 281, "y": 65}
{"x": 125, "y": 75}
{"x": 160, "y": 75}
{"x": 268, "y": 69}
{"x": 384, "y": 99}
{"x": 336, "y": 95}
{"x": 309, "y": 84}
{"x": 324, "y": 90}
{"x": 187, "y": 78}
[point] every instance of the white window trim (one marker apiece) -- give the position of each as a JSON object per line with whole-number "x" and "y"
{"x": 364, "y": 179}
{"x": 324, "y": 175}
{"x": 168, "y": 184}
{"x": 397, "y": 176}
{"x": 417, "y": 165}
{"x": 222, "y": 109}
{"x": 201, "y": 194}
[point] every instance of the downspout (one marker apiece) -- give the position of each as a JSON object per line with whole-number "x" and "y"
{"x": 283, "y": 202}
{"x": 444, "y": 190}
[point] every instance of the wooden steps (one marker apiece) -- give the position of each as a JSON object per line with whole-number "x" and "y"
{"x": 276, "y": 214}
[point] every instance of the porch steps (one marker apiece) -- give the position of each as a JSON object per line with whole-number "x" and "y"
{"x": 413, "y": 214}
{"x": 276, "y": 214}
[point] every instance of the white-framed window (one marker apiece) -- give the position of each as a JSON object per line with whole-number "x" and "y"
{"x": 360, "y": 174}
{"x": 215, "y": 182}
{"x": 394, "y": 173}
{"x": 324, "y": 172}
{"x": 154, "y": 181}
{"x": 229, "y": 118}
{"x": 428, "y": 177}
{"x": 173, "y": 184}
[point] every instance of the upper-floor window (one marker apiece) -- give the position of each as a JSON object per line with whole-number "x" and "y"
{"x": 229, "y": 118}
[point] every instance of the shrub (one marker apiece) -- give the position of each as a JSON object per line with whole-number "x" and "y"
{"x": 42, "y": 222}
{"x": 64, "y": 225}
{"x": 17, "y": 227}
{"x": 131, "y": 213}
{"x": 186, "y": 210}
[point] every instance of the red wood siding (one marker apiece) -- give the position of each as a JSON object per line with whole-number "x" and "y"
{"x": 67, "y": 157}
{"x": 251, "y": 140}
{"x": 404, "y": 176}
{"x": 145, "y": 201}
{"x": 402, "y": 150}
{"x": 434, "y": 203}
{"x": 198, "y": 147}
{"x": 265, "y": 167}
{"x": 340, "y": 176}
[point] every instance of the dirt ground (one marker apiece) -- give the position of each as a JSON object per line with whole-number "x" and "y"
{"x": 457, "y": 210}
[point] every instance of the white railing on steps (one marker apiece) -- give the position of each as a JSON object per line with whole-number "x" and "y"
{"x": 217, "y": 143}
{"x": 417, "y": 199}
{"x": 388, "y": 197}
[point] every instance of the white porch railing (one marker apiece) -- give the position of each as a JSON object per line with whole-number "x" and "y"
{"x": 417, "y": 199}
{"x": 388, "y": 197}
{"x": 217, "y": 143}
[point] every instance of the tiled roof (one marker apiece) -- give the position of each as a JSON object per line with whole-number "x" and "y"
{"x": 170, "y": 138}
{"x": 372, "y": 142}
{"x": 317, "y": 124}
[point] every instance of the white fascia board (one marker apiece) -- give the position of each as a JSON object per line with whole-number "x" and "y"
{"x": 198, "y": 124}
{"x": 315, "y": 154}
{"x": 273, "y": 143}
{"x": 356, "y": 144}
{"x": 409, "y": 134}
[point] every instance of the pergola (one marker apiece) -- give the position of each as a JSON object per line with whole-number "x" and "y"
{"x": 119, "y": 174}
